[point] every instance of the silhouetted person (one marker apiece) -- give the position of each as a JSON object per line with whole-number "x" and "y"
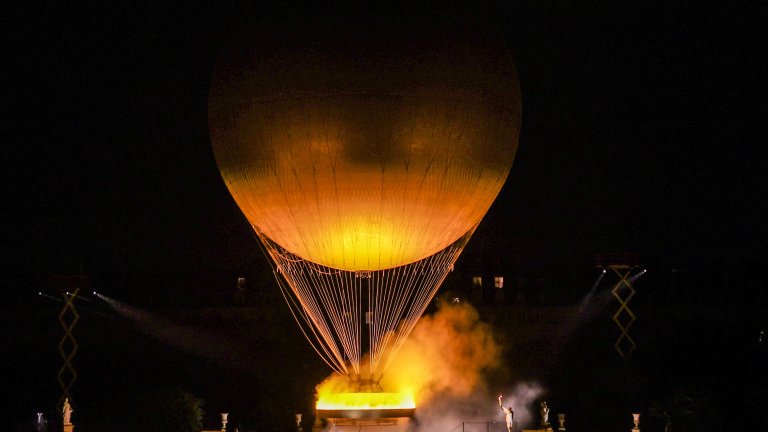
{"x": 508, "y": 414}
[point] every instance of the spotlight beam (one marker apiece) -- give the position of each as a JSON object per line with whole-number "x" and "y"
{"x": 80, "y": 307}
{"x": 50, "y": 297}
{"x": 210, "y": 345}
{"x": 588, "y": 297}
{"x": 637, "y": 276}
{"x": 587, "y": 310}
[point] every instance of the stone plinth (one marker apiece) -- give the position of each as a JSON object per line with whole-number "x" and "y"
{"x": 541, "y": 429}
{"x": 69, "y": 427}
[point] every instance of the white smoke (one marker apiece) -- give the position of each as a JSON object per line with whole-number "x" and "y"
{"x": 445, "y": 363}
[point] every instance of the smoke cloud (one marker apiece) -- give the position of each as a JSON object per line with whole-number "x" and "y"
{"x": 444, "y": 364}
{"x": 445, "y": 356}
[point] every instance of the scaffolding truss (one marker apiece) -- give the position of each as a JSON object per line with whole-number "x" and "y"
{"x": 68, "y": 317}
{"x": 622, "y": 265}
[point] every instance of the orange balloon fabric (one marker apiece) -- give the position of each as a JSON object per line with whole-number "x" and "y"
{"x": 364, "y": 177}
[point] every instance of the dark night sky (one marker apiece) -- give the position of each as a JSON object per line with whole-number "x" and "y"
{"x": 639, "y": 133}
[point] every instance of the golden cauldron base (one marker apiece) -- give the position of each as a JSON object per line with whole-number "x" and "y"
{"x": 372, "y": 424}
{"x": 366, "y": 414}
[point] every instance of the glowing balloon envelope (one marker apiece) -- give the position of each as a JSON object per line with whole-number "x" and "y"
{"x": 357, "y": 176}
{"x": 364, "y": 163}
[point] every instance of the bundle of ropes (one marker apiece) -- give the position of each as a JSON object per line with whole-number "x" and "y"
{"x": 328, "y": 304}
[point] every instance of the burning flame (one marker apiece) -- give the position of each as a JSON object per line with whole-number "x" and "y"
{"x": 361, "y": 401}
{"x": 445, "y": 354}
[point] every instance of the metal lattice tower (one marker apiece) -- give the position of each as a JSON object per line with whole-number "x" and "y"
{"x": 68, "y": 317}
{"x": 622, "y": 265}
{"x": 70, "y": 287}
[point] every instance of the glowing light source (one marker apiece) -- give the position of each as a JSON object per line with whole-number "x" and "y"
{"x": 365, "y": 401}
{"x": 635, "y": 277}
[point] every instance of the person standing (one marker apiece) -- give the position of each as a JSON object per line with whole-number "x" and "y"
{"x": 508, "y": 414}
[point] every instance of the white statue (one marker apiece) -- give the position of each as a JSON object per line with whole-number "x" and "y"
{"x": 508, "y": 414}
{"x": 40, "y": 424}
{"x": 66, "y": 411}
{"x": 224, "y": 417}
{"x": 544, "y": 413}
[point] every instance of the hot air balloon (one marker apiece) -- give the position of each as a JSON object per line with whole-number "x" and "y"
{"x": 364, "y": 168}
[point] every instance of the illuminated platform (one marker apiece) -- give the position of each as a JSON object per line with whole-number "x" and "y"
{"x": 366, "y": 411}
{"x": 365, "y": 401}
{"x": 378, "y": 425}
{"x": 366, "y": 414}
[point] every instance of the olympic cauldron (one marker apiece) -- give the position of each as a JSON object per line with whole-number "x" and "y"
{"x": 364, "y": 163}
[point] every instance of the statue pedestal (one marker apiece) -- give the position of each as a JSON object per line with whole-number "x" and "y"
{"x": 317, "y": 426}
{"x": 69, "y": 427}
{"x": 540, "y": 429}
